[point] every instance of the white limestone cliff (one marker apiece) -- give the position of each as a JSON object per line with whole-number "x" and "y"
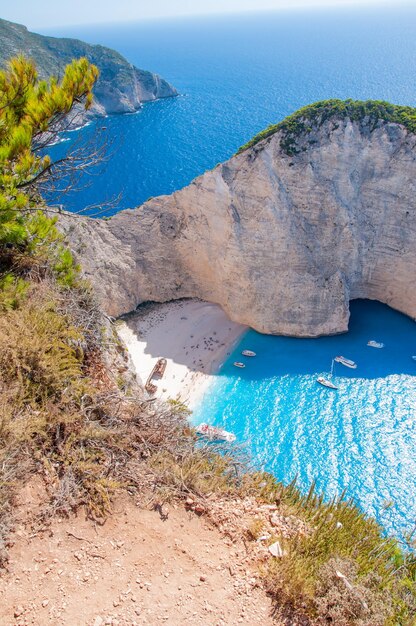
{"x": 281, "y": 241}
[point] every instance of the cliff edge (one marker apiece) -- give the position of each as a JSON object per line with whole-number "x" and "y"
{"x": 121, "y": 87}
{"x": 314, "y": 212}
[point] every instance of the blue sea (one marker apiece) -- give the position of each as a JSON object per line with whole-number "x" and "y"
{"x": 360, "y": 438}
{"x": 236, "y": 75}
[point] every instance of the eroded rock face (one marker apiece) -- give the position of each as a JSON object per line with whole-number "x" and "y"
{"x": 281, "y": 242}
{"x": 120, "y": 88}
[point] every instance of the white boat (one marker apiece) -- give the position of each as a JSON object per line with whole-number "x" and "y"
{"x": 248, "y": 353}
{"x": 414, "y": 357}
{"x": 375, "y": 344}
{"x": 346, "y": 362}
{"x": 214, "y": 433}
{"x": 325, "y": 382}
{"x": 238, "y": 364}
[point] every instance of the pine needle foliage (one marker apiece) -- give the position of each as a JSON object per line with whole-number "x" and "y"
{"x": 29, "y": 107}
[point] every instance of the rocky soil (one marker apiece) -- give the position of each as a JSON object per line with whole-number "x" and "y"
{"x": 169, "y": 566}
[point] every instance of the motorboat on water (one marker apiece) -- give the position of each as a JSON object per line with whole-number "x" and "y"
{"x": 238, "y": 364}
{"x": 375, "y": 344}
{"x": 248, "y": 353}
{"x": 346, "y": 362}
{"x": 326, "y": 383}
{"x": 214, "y": 433}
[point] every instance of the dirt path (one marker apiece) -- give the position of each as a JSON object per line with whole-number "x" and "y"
{"x": 136, "y": 569}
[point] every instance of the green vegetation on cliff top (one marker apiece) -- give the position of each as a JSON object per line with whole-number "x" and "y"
{"x": 314, "y": 115}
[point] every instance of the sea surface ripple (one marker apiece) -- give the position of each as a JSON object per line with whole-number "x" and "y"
{"x": 237, "y": 75}
{"x": 360, "y": 438}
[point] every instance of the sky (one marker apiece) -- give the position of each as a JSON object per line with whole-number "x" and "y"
{"x": 49, "y": 13}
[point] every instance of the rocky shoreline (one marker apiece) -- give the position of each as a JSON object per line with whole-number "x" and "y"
{"x": 120, "y": 88}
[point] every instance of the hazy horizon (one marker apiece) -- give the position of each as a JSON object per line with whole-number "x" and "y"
{"x": 98, "y": 13}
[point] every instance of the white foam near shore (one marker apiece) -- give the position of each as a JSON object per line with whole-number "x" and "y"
{"x": 195, "y": 337}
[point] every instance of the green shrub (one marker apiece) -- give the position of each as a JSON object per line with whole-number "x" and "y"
{"x": 303, "y": 121}
{"x": 13, "y": 291}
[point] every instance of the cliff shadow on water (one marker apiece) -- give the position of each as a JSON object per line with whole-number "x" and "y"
{"x": 278, "y": 356}
{"x": 369, "y": 320}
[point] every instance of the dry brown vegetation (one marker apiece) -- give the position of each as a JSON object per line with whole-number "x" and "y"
{"x": 63, "y": 414}
{"x": 70, "y": 414}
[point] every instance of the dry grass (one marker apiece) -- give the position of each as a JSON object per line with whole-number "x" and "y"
{"x": 255, "y": 529}
{"x": 64, "y": 416}
{"x": 343, "y": 570}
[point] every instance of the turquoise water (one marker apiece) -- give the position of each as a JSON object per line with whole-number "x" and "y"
{"x": 237, "y": 75}
{"x": 361, "y": 438}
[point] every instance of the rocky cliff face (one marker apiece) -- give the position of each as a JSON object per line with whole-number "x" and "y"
{"x": 121, "y": 87}
{"x": 282, "y": 236}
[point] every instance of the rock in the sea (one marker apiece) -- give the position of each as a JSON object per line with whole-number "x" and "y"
{"x": 282, "y": 236}
{"x": 121, "y": 87}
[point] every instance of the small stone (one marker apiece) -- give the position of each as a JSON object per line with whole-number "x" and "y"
{"x": 345, "y": 579}
{"x": 116, "y": 603}
{"x": 98, "y": 621}
{"x": 274, "y": 521}
{"x": 18, "y": 611}
{"x": 45, "y": 603}
{"x": 276, "y": 550}
{"x": 202, "y": 578}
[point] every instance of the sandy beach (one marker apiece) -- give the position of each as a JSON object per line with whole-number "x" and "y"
{"x": 194, "y": 336}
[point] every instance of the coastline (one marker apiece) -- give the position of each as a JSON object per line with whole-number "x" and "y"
{"x": 195, "y": 337}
